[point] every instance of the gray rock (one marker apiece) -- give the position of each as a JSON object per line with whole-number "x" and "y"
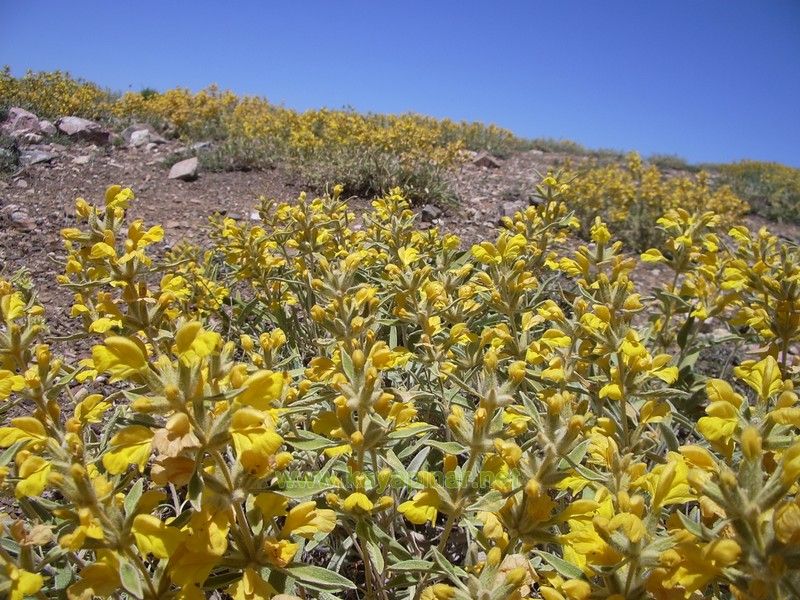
{"x": 140, "y": 134}
{"x": 430, "y": 212}
{"x": 486, "y": 160}
{"x": 30, "y": 138}
{"x": 47, "y": 128}
{"x": 84, "y": 129}
{"x": 34, "y": 157}
{"x": 17, "y": 217}
{"x": 200, "y": 146}
{"x": 185, "y": 170}
{"x": 81, "y": 160}
{"x": 20, "y": 120}
{"x": 140, "y": 137}
{"x": 20, "y": 220}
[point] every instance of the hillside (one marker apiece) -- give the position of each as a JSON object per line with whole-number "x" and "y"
{"x": 462, "y": 366}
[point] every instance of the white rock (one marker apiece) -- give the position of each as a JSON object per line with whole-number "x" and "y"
{"x": 140, "y": 137}
{"x": 84, "y": 129}
{"x": 47, "y": 128}
{"x": 20, "y": 120}
{"x": 185, "y": 170}
{"x": 34, "y": 157}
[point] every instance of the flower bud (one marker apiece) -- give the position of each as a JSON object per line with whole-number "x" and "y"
{"x": 247, "y": 343}
{"x": 494, "y": 556}
{"x": 356, "y": 439}
{"x": 358, "y": 360}
{"x": 282, "y": 460}
{"x": 516, "y": 372}
{"x": 751, "y": 443}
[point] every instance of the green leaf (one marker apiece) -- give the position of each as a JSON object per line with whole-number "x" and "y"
{"x": 303, "y": 489}
{"x": 575, "y": 456}
{"x": 411, "y": 430}
{"x": 132, "y": 499}
{"x": 669, "y": 437}
{"x": 315, "y": 443}
{"x": 319, "y": 578}
{"x": 691, "y": 526}
{"x": 347, "y": 365}
{"x": 490, "y": 502}
{"x": 447, "y": 447}
{"x": 412, "y": 565}
{"x": 11, "y": 452}
{"x": 685, "y": 329}
{"x": 131, "y": 579}
{"x": 195, "y": 490}
{"x": 559, "y": 564}
{"x": 456, "y": 573}
{"x": 64, "y": 577}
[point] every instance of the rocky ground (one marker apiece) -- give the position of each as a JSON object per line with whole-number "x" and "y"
{"x": 74, "y": 158}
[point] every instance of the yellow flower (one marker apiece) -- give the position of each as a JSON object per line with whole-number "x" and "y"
{"x": 262, "y": 389}
{"x": 23, "y": 584}
{"x": 251, "y": 587}
{"x": 764, "y": 377}
{"x": 9, "y": 382}
{"x": 124, "y": 358}
{"x": 155, "y": 537}
{"x": 88, "y": 527}
{"x": 254, "y": 439}
{"x": 130, "y": 446}
{"x": 423, "y": 507}
{"x": 358, "y": 503}
{"x": 439, "y": 591}
{"x": 33, "y": 474}
{"x": 100, "y": 578}
{"x": 22, "y": 428}
{"x": 193, "y": 343}
{"x": 306, "y": 520}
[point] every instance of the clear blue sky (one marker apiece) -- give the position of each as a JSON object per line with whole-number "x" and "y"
{"x": 709, "y": 80}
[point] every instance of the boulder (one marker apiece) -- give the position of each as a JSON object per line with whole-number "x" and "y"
{"x": 142, "y": 137}
{"x": 484, "y": 159}
{"x": 17, "y": 217}
{"x": 30, "y": 138}
{"x": 141, "y": 134}
{"x": 34, "y": 157}
{"x": 20, "y": 121}
{"x": 47, "y": 128}
{"x": 84, "y": 129}
{"x": 430, "y": 212}
{"x": 185, "y": 170}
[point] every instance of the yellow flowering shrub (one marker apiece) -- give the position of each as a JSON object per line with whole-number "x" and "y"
{"x": 331, "y": 407}
{"x": 772, "y": 189}
{"x": 53, "y": 94}
{"x": 633, "y": 196}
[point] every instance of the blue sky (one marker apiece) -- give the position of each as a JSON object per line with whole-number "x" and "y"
{"x": 712, "y": 80}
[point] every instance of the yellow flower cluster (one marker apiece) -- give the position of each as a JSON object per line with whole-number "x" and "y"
{"x": 772, "y": 189}
{"x": 211, "y": 112}
{"x": 322, "y": 405}
{"x": 53, "y": 94}
{"x": 633, "y": 196}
